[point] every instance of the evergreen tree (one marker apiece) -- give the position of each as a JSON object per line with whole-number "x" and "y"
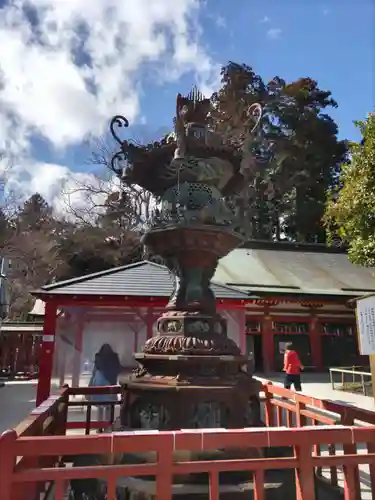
{"x": 350, "y": 207}
{"x": 297, "y": 151}
{"x": 35, "y": 213}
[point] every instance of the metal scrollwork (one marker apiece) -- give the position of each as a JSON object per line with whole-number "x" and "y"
{"x": 255, "y": 111}
{"x": 118, "y": 121}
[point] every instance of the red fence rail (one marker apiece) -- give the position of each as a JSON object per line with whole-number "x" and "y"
{"x": 34, "y": 453}
{"x": 307, "y": 409}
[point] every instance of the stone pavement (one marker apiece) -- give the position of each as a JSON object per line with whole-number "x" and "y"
{"x": 17, "y": 400}
{"x": 319, "y": 386}
{"x": 18, "y": 397}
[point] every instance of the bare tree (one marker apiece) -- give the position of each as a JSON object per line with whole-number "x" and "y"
{"x": 36, "y": 259}
{"x": 34, "y": 247}
{"x": 99, "y": 199}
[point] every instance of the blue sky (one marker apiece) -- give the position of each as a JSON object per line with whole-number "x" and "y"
{"x": 332, "y": 42}
{"x": 67, "y": 67}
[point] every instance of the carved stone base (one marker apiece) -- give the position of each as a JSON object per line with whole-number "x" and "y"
{"x": 164, "y": 403}
{"x": 191, "y": 332}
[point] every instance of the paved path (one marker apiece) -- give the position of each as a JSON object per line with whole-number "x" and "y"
{"x": 17, "y": 400}
{"x": 319, "y": 386}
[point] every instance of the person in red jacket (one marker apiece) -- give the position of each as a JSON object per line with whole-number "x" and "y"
{"x": 292, "y": 368}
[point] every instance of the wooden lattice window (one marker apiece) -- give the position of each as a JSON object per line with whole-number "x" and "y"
{"x": 290, "y": 327}
{"x": 253, "y": 326}
{"x": 338, "y": 329}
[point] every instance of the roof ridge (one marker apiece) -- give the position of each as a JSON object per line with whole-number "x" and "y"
{"x": 228, "y": 287}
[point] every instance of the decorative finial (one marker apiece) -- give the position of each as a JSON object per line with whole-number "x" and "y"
{"x": 195, "y": 95}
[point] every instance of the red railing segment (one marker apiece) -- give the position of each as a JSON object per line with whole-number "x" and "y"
{"x": 167, "y": 443}
{"x": 344, "y": 411}
{"x": 199, "y": 440}
{"x": 41, "y": 443}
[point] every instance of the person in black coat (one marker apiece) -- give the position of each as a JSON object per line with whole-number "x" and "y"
{"x": 107, "y": 368}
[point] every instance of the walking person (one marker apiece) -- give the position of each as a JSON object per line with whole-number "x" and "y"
{"x": 292, "y": 368}
{"x": 106, "y": 370}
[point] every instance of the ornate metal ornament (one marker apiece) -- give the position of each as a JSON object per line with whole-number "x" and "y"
{"x": 192, "y": 173}
{"x": 118, "y": 121}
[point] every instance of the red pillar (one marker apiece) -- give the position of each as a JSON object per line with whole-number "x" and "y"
{"x": 315, "y": 343}
{"x": 46, "y": 352}
{"x": 268, "y": 348}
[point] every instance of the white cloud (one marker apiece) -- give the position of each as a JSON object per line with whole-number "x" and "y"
{"x": 220, "y": 22}
{"x": 274, "y": 33}
{"x": 67, "y": 66}
{"x": 326, "y": 11}
{"x": 265, "y": 19}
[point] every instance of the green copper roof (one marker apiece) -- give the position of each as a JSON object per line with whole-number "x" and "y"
{"x": 294, "y": 271}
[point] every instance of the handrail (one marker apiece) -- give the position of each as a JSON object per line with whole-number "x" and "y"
{"x": 354, "y": 374}
{"x": 32, "y": 424}
{"x": 344, "y": 370}
{"x": 346, "y": 412}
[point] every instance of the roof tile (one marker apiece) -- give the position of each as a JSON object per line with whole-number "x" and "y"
{"x": 143, "y": 279}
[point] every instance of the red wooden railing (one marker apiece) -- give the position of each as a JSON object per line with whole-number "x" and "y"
{"x": 31, "y": 455}
{"x": 19, "y": 353}
{"x": 282, "y": 404}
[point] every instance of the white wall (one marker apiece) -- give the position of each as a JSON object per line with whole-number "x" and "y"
{"x": 235, "y": 325}
{"x": 120, "y": 335}
{"x": 124, "y": 338}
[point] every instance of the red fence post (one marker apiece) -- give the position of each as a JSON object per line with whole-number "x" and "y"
{"x": 270, "y": 420}
{"x": 62, "y": 412}
{"x": 164, "y": 475}
{"x": 300, "y": 419}
{"x": 352, "y": 483}
{"x": 7, "y": 463}
{"x": 305, "y": 484}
